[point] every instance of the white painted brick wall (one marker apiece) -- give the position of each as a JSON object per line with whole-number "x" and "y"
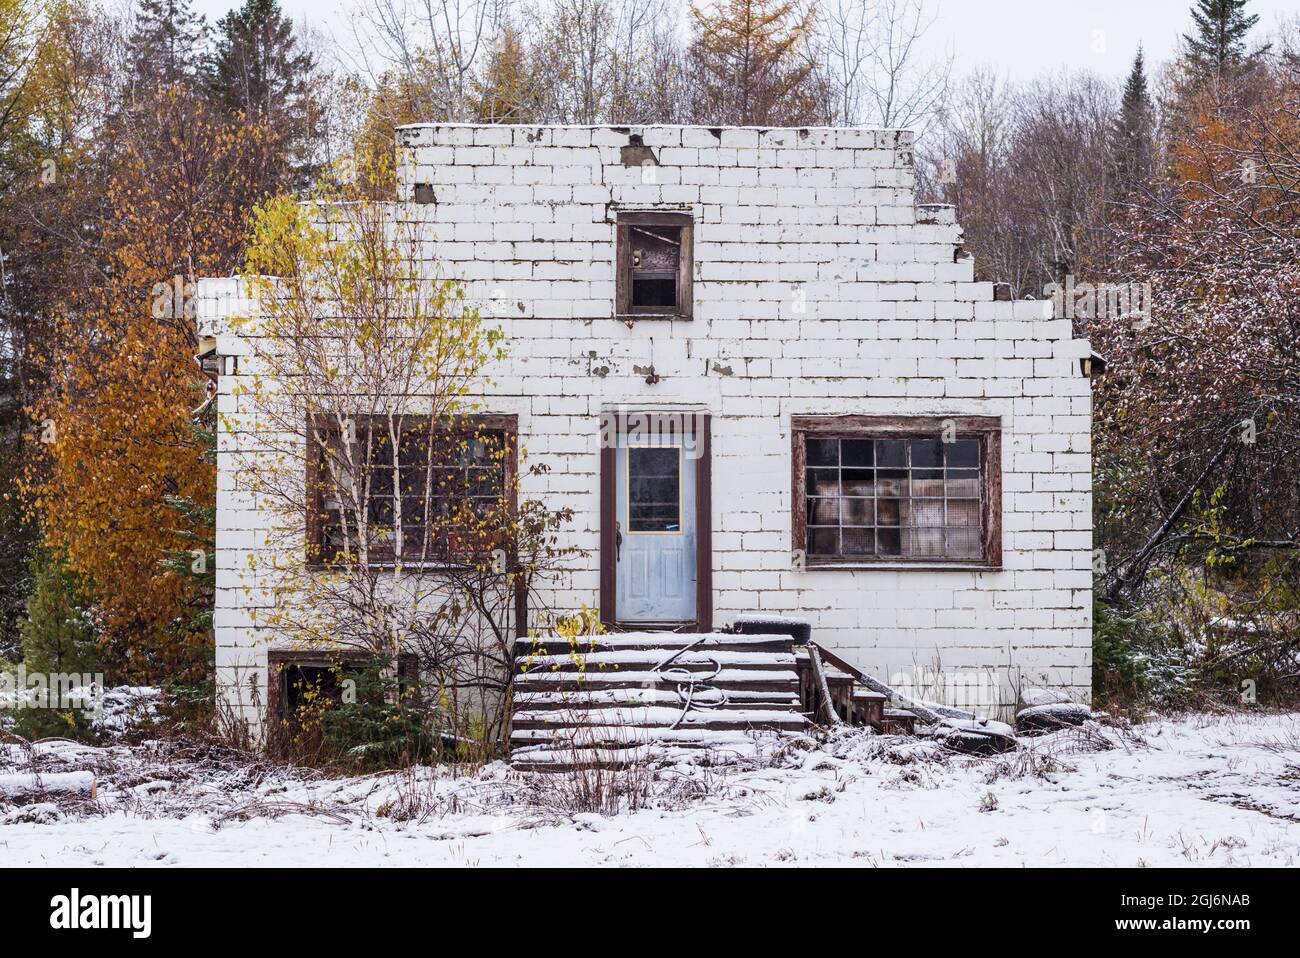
{"x": 892, "y": 323}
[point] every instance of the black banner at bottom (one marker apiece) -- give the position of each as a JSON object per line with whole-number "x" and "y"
{"x": 937, "y": 907}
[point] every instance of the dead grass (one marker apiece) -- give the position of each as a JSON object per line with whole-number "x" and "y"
{"x": 416, "y": 799}
{"x": 595, "y": 774}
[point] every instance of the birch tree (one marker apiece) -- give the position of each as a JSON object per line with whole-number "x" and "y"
{"x": 396, "y": 526}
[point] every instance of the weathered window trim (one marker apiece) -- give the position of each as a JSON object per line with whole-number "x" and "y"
{"x": 623, "y": 263}
{"x": 988, "y": 429}
{"x": 507, "y": 424}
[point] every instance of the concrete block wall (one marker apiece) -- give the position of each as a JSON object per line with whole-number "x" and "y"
{"x": 819, "y": 288}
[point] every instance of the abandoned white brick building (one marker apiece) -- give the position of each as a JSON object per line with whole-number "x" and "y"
{"x": 874, "y": 442}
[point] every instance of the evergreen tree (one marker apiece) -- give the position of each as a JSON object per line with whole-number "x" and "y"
{"x": 199, "y": 530}
{"x": 1133, "y": 134}
{"x": 163, "y": 47}
{"x": 1219, "y": 42}
{"x": 198, "y": 565}
{"x": 58, "y": 638}
{"x": 257, "y": 68}
{"x": 59, "y": 634}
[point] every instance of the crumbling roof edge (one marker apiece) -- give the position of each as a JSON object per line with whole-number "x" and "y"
{"x": 436, "y": 124}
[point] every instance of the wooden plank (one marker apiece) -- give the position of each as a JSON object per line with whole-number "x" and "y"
{"x": 827, "y": 707}
{"x": 608, "y": 545}
{"x": 891, "y": 425}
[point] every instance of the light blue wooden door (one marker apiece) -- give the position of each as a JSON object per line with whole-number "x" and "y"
{"x": 655, "y": 535}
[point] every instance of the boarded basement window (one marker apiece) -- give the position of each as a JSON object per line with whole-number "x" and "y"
{"x": 654, "y": 262}
{"x": 303, "y": 682}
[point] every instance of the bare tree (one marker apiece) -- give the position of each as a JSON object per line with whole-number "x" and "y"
{"x": 872, "y": 56}
{"x": 1029, "y": 172}
{"x": 644, "y": 32}
{"x": 576, "y": 45}
{"x": 430, "y": 47}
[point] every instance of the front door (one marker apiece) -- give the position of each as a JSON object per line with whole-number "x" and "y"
{"x": 655, "y": 534}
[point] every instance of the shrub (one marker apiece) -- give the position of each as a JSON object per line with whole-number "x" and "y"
{"x": 58, "y": 636}
{"x": 1134, "y": 663}
{"x": 384, "y": 723}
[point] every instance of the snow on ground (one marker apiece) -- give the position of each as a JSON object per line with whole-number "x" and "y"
{"x": 1200, "y": 791}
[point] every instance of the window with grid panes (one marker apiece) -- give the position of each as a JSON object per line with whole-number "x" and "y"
{"x": 448, "y": 480}
{"x": 893, "y": 498}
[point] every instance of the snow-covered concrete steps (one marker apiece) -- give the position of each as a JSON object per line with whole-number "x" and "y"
{"x": 629, "y": 696}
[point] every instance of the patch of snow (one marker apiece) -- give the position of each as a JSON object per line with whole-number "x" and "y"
{"x": 650, "y": 677}
{"x": 1033, "y": 697}
{"x": 764, "y": 618}
{"x": 40, "y": 813}
{"x": 20, "y": 784}
{"x": 1064, "y": 711}
{"x": 620, "y": 657}
{"x": 668, "y": 640}
{"x": 126, "y": 707}
{"x": 1201, "y": 790}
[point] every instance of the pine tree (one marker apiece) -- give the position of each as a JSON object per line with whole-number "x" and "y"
{"x": 58, "y": 638}
{"x": 256, "y": 66}
{"x": 198, "y": 530}
{"x": 164, "y": 44}
{"x": 257, "y": 69}
{"x": 59, "y": 634}
{"x": 749, "y": 64}
{"x": 1219, "y": 42}
{"x": 197, "y": 563}
{"x": 1133, "y": 134}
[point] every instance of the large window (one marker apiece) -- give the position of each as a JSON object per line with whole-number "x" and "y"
{"x": 437, "y": 497}
{"x": 897, "y": 489}
{"x": 653, "y": 264}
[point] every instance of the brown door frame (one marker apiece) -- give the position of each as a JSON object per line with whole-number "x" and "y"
{"x": 701, "y": 422}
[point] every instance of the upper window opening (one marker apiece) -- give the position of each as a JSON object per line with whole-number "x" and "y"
{"x": 654, "y": 264}
{"x": 656, "y": 253}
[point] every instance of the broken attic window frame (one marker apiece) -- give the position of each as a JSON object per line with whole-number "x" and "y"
{"x": 654, "y": 264}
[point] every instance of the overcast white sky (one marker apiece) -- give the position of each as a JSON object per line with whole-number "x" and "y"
{"x": 1024, "y": 38}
